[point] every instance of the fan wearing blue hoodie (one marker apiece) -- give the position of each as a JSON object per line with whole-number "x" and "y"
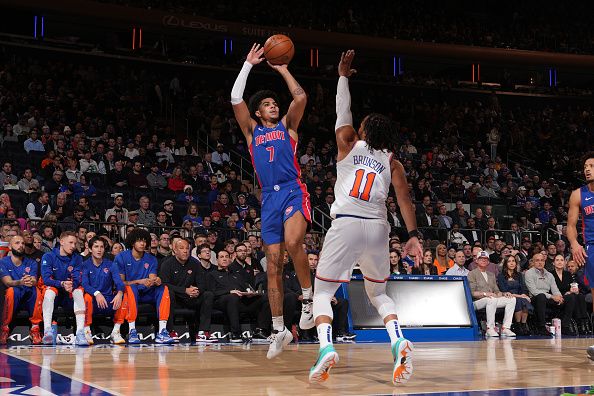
{"x": 61, "y": 273}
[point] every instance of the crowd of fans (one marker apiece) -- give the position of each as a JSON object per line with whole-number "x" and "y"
{"x": 526, "y": 25}
{"x": 86, "y": 149}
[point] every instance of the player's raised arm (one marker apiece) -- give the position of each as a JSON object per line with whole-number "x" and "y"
{"x": 297, "y": 106}
{"x": 577, "y": 250}
{"x": 413, "y": 246}
{"x": 346, "y": 136}
{"x": 242, "y": 113}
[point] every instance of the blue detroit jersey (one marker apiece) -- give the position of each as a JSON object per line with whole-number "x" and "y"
{"x": 7, "y": 268}
{"x": 273, "y": 153}
{"x": 587, "y": 205}
{"x": 133, "y": 269}
{"x": 103, "y": 278}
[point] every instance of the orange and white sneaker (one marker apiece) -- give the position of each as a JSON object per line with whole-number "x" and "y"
{"x": 35, "y": 335}
{"x": 402, "y": 351}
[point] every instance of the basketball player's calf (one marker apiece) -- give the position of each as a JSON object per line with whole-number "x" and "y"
{"x": 295, "y": 229}
{"x": 281, "y": 336}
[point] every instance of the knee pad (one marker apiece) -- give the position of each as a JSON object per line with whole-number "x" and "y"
{"x": 49, "y": 295}
{"x": 323, "y": 293}
{"x": 379, "y": 299}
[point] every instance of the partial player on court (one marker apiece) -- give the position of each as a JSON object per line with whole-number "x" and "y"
{"x": 286, "y": 209}
{"x": 360, "y": 231}
{"x": 581, "y": 202}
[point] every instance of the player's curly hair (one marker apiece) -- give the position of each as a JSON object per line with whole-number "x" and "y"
{"x": 380, "y": 132}
{"x": 138, "y": 234}
{"x": 257, "y": 98}
{"x": 587, "y": 156}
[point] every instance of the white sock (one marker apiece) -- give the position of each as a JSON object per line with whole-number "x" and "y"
{"x": 132, "y": 325}
{"x": 278, "y": 323}
{"x": 48, "y": 309}
{"x": 80, "y": 322}
{"x": 325, "y": 334}
{"x": 116, "y": 328}
{"x": 394, "y": 330}
{"x": 162, "y": 325}
{"x": 306, "y": 293}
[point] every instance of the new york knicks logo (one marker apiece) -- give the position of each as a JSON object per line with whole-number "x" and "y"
{"x": 288, "y": 210}
{"x": 27, "y": 269}
{"x": 146, "y": 265}
{"x": 70, "y": 268}
{"x": 106, "y": 270}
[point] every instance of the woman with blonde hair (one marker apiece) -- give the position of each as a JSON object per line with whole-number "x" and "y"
{"x": 442, "y": 262}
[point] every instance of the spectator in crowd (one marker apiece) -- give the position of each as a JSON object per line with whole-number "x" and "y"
{"x": 155, "y": 178}
{"x": 176, "y": 182}
{"x": 442, "y": 262}
{"x": 510, "y": 280}
{"x": 222, "y": 206}
{"x": 118, "y": 209}
{"x": 83, "y": 188}
{"x": 145, "y": 215}
{"x": 187, "y": 196}
{"x": 486, "y": 295}
{"x": 574, "y": 306}
{"x": 427, "y": 267}
{"x": 220, "y": 157}
{"x": 28, "y": 184}
{"x": 543, "y": 292}
{"x": 33, "y": 144}
{"x": 136, "y": 178}
{"x": 6, "y": 176}
{"x": 445, "y": 221}
{"x": 458, "y": 269}
{"x": 37, "y": 210}
{"x": 88, "y": 164}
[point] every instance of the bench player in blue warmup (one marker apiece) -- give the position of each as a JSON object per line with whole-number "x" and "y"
{"x": 104, "y": 290}
{"x": 19, "y": 275}
{"x": 581, "y": 202}
{"x": 286, "y": 209}
{"x": 61, "y": 274}
{"x": 138, "y": 270}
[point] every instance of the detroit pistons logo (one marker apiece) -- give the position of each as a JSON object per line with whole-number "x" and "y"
{"x": 146, "y": 265}
{"x": 70, "y": 268}
{"x": 288, "y": 210}
{"x": 27, "y": 269}
{"x": 106, "y": 270}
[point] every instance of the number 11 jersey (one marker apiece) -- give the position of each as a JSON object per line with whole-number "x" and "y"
{"x": 362, "y": 183}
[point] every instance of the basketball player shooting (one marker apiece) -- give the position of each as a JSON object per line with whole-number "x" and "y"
{"x": 286, "y": 210}
{"x": 360, "y": 231}
{"x": 582, "y": 201}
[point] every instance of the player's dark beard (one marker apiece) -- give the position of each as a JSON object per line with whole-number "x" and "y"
{"x": 18, "y": 254}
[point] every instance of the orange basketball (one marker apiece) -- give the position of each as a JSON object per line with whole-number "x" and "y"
{"x": 279, "y": 49}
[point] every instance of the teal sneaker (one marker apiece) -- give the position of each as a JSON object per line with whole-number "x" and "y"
{"x": 402, "y": 351}
{"x": 327, "y": 358}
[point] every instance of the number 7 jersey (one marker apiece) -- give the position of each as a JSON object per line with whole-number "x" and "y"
{"x": 362, "y": 183}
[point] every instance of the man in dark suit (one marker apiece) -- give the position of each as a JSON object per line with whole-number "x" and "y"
{"x": 472, "y": 234}
{"x": 425, "y": 218}
{"x": 513, "y": 237}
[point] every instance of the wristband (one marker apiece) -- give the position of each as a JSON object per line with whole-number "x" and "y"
{"x": 96, "y": 293}
{"x": 414, "y": 233}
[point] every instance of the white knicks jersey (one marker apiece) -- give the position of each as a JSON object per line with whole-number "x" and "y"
{"x": 362, "y": 183}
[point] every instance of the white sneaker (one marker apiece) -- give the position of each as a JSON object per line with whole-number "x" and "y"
{"x": 116, "y": 338}
{"x": 507, "y": 333}
{"x": 278, "y": 340}
{"x": 89, "y": 336}
{"x": 491, "y": 333}
{"x": 306, "y": 321}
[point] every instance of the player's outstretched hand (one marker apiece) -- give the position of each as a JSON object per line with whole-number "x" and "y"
{"x": 413, "y": 248}
{"x": 579, "y": 254}
{"x": 255, "y": 55}
{"x": 344, "y": 67}
{"x": 278, "y": 68}
{"x": 117, "y": 301}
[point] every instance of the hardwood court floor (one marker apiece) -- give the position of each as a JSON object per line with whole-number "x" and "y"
{"x": 363, "y": 369}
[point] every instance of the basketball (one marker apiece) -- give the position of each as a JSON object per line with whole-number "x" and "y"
{"x": 279, "y": 49}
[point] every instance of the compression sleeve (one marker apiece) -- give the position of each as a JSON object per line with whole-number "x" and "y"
{"x": 239, "y": 85}
{"x": 343, "y": 104}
